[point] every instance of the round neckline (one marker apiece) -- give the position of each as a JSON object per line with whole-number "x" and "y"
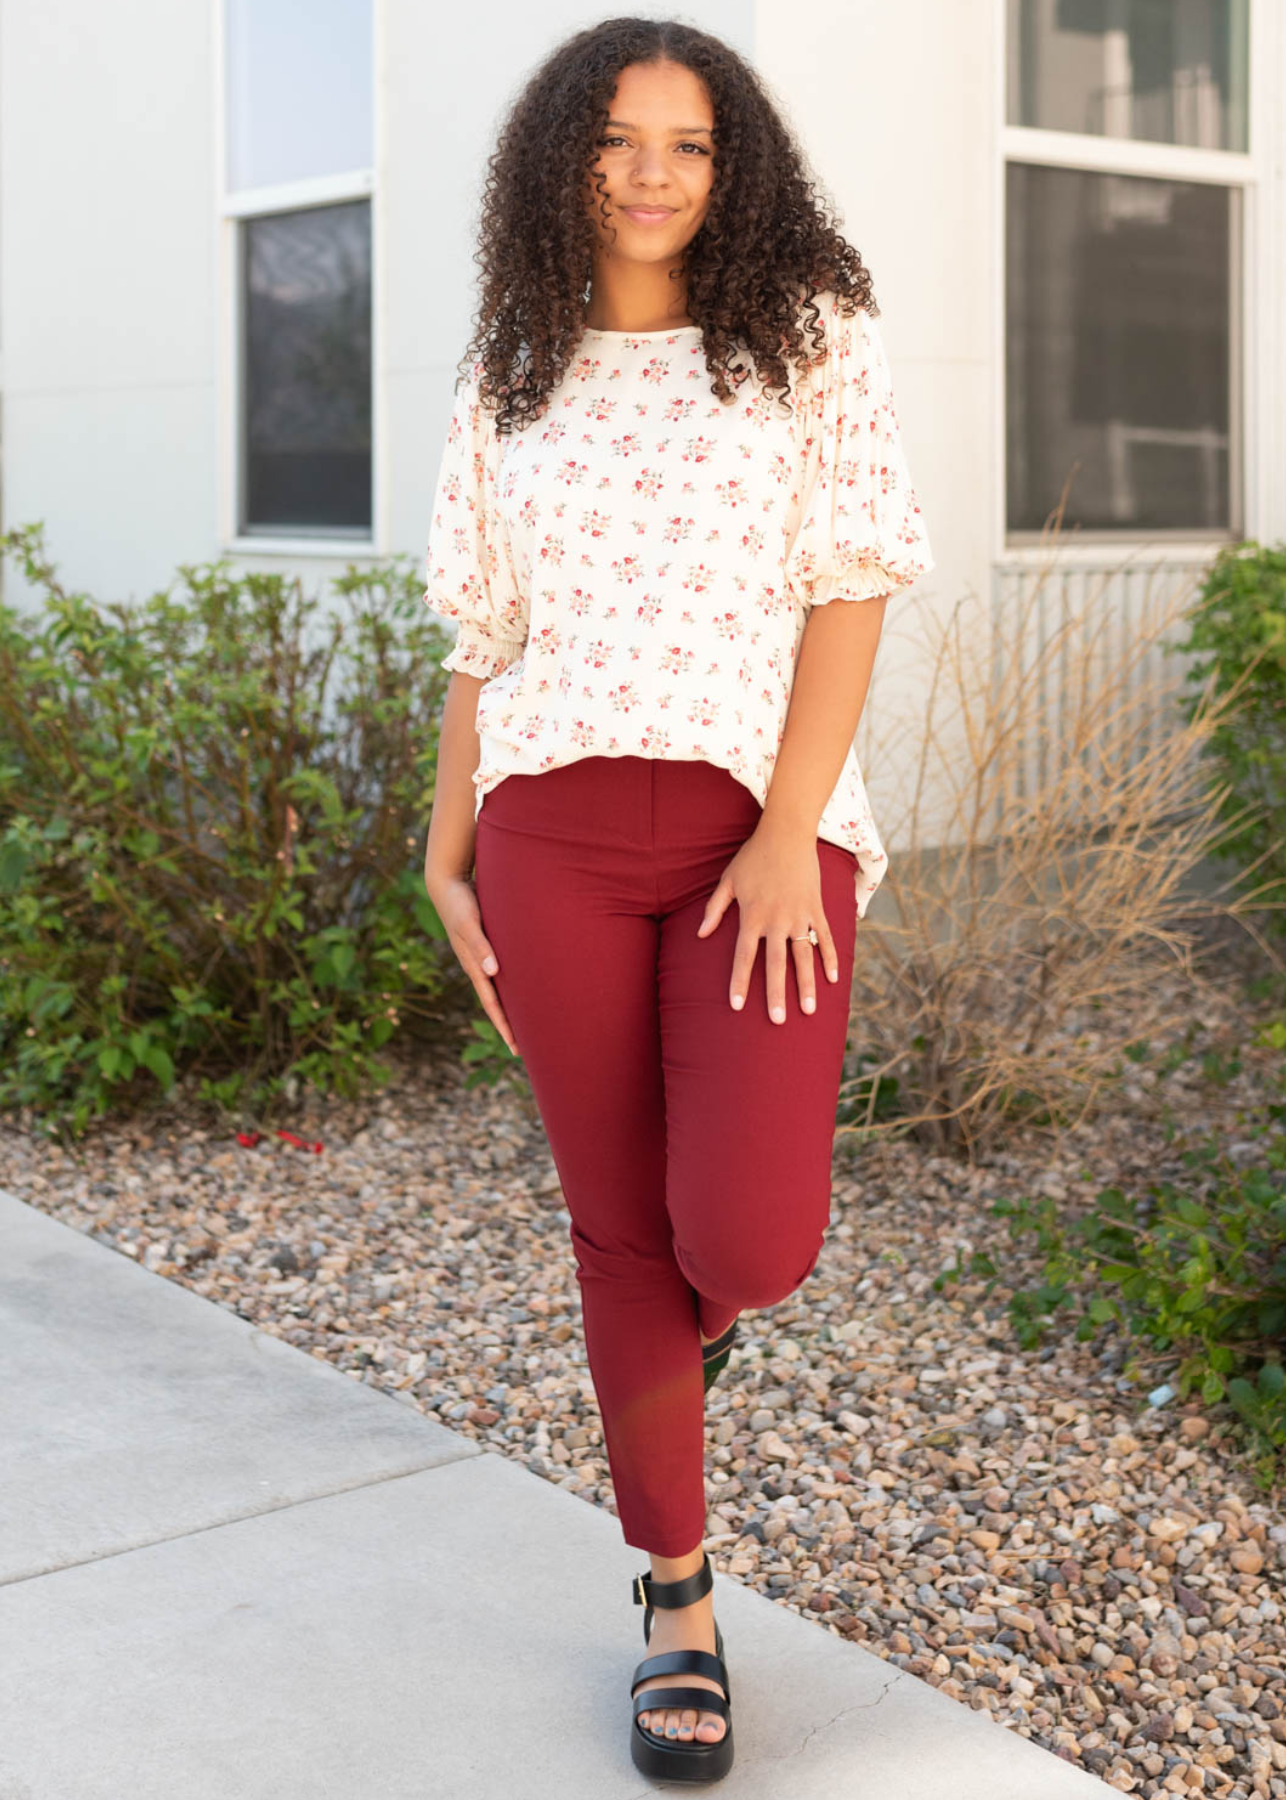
{"x": 669, "y": 331}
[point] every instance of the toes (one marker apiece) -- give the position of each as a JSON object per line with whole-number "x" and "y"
{"x": 708, "y": 1728}
{"x": 684, "y": 1726}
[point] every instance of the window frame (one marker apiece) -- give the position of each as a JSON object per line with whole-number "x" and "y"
{"x": 1254, "y": 357}
{"x": 232, "y": 208}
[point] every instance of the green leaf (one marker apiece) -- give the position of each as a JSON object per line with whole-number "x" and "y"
{"x": 160, "y": 1064}
{"x": 1272, "y": 1380}
{"x": 1243, "y": 1397}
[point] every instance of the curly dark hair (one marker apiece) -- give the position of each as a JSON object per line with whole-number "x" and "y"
{"x": 767, "y": 245}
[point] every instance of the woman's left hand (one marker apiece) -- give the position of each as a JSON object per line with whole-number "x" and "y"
{"x": 776, "y": 881}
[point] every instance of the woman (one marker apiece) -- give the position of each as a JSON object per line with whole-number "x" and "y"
{"x": 674, "y": 449}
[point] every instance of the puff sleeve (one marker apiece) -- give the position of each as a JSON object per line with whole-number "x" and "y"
{"x": 471, "y": 576}
{"x": 861, "y": 532}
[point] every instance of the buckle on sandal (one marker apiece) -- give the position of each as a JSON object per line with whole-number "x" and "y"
{"x": 640, "y": 1596}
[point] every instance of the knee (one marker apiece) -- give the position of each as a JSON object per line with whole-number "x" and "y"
{"x": 749, "y": 1274}
{"x": 631, "y": 1263}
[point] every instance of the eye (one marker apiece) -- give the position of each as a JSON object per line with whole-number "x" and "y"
{"x": 607, "y": 142}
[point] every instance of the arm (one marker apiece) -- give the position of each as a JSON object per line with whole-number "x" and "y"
{"x": 832, "y": 675}
{"x": 448, "y": 854}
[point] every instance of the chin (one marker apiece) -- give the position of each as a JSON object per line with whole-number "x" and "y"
{"x": 647, "y": 249}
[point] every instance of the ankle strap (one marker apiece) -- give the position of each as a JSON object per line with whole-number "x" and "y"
{"x": 684, "y": 1592}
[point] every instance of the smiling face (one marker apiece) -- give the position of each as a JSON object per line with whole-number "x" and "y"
{"x": 656, "y": 160}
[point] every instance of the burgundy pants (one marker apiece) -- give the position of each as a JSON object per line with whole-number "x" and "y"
{"x": 693, "y": 1142}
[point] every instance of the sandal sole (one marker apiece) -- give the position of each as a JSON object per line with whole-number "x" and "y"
{"x": 690, "y": 1762}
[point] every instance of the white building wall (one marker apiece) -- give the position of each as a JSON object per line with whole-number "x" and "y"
{"x": 107, "y": 290}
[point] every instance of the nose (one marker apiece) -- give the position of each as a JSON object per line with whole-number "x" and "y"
{"x": 649, "y": 169}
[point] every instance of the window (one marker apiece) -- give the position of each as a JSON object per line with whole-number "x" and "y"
{"x": 1167, "y": 71}
{"x": 1126, "y": 132}
{"x": 306, "y": 418}
{"x": 298, "y": 107}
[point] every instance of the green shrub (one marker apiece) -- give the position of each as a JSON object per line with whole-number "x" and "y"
{"x": 212, "y": 817}
{"x": 1193, "y": 1275}
{"x": 1237, "y": 642}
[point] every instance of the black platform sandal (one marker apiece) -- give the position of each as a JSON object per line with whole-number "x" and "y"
{"x": 715, "y": 1354}
{"x": 674, "y": 1759}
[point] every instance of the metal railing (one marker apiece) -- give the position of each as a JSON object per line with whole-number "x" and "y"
{"x": 1081, "y": 672}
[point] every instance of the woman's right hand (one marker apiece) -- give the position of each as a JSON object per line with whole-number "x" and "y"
{"x": 456, "y": 904}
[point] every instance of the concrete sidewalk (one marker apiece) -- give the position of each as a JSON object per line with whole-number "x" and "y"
{"x": 230, "y": 1571}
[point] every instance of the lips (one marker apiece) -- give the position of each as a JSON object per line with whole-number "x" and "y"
{"x": 649, "y": 215}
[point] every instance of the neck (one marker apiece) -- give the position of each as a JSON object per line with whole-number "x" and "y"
{"x": 636, "y": 300}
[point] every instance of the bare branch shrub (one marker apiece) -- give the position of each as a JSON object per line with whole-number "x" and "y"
{"x": 1041, "y": 871}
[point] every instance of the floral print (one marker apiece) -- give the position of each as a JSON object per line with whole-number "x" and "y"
{"x": 632, "y": 571}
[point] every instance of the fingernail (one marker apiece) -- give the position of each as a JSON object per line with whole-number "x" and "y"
{"x": 833, "y": 973}
{"x": 489, "y": 964}
{"x": 779, "y": 1013}
{"x": 808, "y": 1004}
{"x": 738, "y": 1001}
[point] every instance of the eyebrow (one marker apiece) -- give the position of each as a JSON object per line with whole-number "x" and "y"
{"x": 676, "y": 130}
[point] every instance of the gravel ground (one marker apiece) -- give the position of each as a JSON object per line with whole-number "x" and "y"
{"x": 1018, "y": 1528}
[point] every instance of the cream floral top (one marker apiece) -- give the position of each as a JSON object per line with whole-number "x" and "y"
{"x": 632, "y": 571}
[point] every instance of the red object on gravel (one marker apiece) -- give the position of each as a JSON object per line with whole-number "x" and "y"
{"x": 251, "y": 1138}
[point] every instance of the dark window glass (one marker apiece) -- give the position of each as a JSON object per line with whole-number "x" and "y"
{"x": 307, "y": 387}
{"x": 1118, "y": 350}
{"x": 1167, "y": 71}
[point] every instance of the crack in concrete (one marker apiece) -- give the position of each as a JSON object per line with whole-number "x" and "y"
{"x": 856, "y": 1706}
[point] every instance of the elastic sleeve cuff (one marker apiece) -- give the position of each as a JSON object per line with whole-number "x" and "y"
{"x": 476, "y": 653}
{"x": 865, "y": 581}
